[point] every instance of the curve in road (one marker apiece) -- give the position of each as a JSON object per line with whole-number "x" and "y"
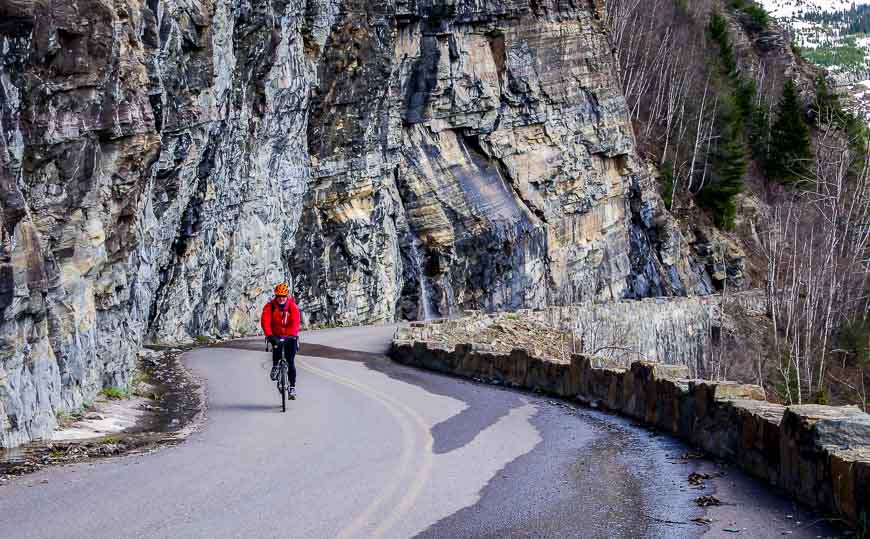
{"x": 374, "y": 449}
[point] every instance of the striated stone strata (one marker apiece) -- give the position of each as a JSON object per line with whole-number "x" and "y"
{"x": 149, "y": 184}
{"x": 488, "y": 164}
{"x": 164, "y": 162}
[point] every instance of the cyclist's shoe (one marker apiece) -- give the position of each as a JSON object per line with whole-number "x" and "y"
{"x": 274, "y": 374}
{"x": 291, "y": 392}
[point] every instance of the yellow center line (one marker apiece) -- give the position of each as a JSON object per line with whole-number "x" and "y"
{"x": 396, "y": 409}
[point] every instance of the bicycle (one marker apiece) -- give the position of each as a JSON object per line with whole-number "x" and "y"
{"x": 283, "y": 380}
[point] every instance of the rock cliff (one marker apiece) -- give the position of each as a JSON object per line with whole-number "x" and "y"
{"x": 164, "y": 162}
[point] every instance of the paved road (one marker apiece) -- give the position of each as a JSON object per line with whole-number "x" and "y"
{"x": 372, "y": 449}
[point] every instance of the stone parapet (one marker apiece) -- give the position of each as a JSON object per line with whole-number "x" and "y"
{"x": 675, "y": 330}
{"x": 818, "y": 454}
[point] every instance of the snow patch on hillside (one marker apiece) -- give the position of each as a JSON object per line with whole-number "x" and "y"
{"x": 830, "y": 44}
{"x": 784, "y": 9}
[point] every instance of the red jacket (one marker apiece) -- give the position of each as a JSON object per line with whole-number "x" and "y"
{"x": 280, "y": 321}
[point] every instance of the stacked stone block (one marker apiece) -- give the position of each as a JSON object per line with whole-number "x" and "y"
{"x": 818, "y": 454}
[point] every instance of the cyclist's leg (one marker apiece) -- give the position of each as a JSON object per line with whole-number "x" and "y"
{"x": 276, "y": 354}
{"x": 290, "y": 354}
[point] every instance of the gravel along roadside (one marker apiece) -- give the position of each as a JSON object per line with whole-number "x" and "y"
{"x": 163, "y": 405}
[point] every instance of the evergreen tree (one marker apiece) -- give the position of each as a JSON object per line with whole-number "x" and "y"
{"x": 667, "y": 182}
{"x": 729, "y": 167}
{"x": 745, "y": 96}
{"x": 719, "y": 32}
{"x": 759, "y": 134}
{"x": 828, "y": 108}
{"x": 789, "y": 140}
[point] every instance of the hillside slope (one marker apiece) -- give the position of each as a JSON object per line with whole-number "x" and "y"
{"x": 756, "y": 150}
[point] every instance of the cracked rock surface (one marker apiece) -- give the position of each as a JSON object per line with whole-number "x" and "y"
{"x": 164, "y": 162}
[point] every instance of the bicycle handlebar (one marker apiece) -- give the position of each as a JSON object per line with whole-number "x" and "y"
{"x": 280, "y": 340}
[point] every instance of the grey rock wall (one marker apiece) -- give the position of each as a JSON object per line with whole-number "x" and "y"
{"x": 489, "y": 165}
{"x": 689, "y": 331}
{"x": 165, "y": 162}
{"x": 151, "y": 185}
{"x": 685, "y": 331}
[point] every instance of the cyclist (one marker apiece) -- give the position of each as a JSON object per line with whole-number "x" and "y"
{"x": 281, "y": 319}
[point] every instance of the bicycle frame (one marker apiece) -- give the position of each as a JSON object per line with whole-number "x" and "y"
{"x": 283, "y": 381}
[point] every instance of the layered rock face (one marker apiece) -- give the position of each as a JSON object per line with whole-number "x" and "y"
{"x": 150, "y": 183}
{"x": 487, "y": 163}
{"x": 164, "y": 163}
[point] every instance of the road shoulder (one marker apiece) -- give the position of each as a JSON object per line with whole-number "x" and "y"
{"x": 162, "y": 406}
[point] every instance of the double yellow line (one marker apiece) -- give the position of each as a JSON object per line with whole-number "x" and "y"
{"x": 408, "y": 419}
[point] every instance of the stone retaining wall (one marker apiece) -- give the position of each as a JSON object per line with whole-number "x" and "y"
{"x": 818, "y": 454}
{"x": 674, "y": 330}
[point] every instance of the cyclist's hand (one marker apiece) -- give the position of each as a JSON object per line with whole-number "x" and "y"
{"x": 272, "y": 340}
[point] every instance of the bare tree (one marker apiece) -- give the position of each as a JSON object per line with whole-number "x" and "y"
{"x": 815, "y": 241}
{"x": 665, "y": 68}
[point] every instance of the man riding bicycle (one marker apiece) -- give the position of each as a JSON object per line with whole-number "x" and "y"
{"x": 280, "y": 323}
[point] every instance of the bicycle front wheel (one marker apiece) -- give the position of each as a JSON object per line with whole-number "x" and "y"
{"x": 284, "y": 388}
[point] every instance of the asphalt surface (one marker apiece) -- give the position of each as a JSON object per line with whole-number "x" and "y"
{"x": 373, "y": 449}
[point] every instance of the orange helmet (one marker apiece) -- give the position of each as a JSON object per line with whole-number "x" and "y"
{"x": 282, "y": 290}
